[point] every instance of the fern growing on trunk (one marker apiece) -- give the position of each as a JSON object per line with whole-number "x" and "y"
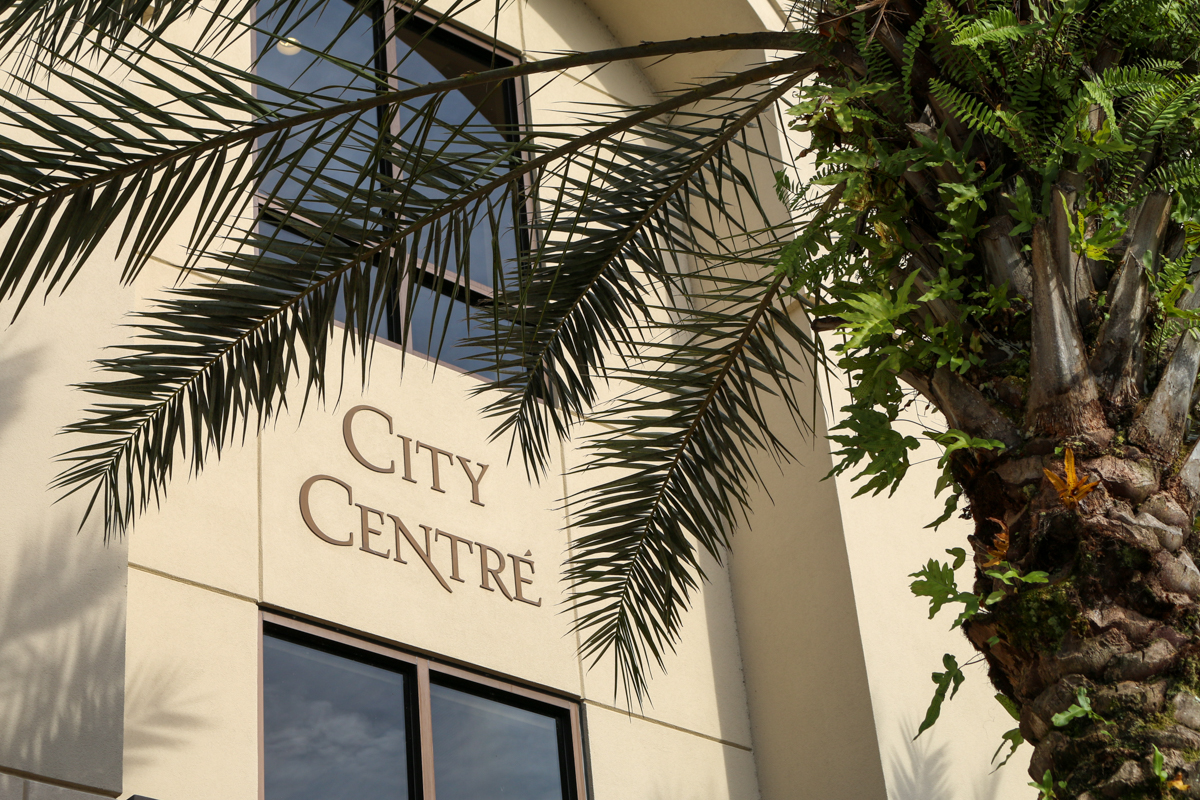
{"x": 1003, "y": 223}
{"x": 1011, "y": 189}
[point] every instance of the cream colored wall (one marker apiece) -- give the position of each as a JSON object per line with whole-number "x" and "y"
{"x": 406, "y": 602}
{"x": 62, "y": 593}
{"x": 810, "y": 702}
{"x": 195, "y": 630}
{"x": 886, "y": 539}
{"x": 772, "y": 697}
{"x": 235, "y": 538}
{"x": 191, "y": 714}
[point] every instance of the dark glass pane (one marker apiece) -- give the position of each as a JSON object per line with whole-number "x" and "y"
{"x": 428, "y": 325}
{"x": 488, "y": 114}
{"x": 298, "y": 69}
{"x": 489, "y": 118}
{"x": 444, "y": 55}
{"x": 334, "y": 728}
{"x": 487, "y": 750}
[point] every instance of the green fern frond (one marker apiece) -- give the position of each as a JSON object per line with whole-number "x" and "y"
{"x": 880, "y": 68}
{"x": 1157, "y": 110}
{"x": 912, "y": 41}
{"x": 981, "y": 118}
{"x": 1177, "y": 174}
{"x": 960, "y": 64}
{"x": 1001, "y": 25}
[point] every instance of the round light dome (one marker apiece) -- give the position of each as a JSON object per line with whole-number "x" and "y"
{"x": 288, "y": 46}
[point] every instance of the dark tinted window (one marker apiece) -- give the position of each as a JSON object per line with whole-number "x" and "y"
{"x": 487, "y": 115}
{"x": 334, "y": 728}
{"x": 490, "y": 750}
{"x": 342, "y": 724}
{"x": 479, "y": 117}
{"x": 291, "y": 63}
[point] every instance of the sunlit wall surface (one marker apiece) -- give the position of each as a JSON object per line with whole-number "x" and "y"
{"x": 364, "y": 601}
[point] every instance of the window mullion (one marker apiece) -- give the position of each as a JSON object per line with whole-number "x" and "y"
{"x": 395, "y": 317}
{"x": 425, "y": 723}
{"x": 576, "y": 749}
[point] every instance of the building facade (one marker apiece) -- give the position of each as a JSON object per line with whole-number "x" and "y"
{"x": 366, "y": 602}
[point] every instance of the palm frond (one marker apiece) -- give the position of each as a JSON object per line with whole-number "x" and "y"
{"x": 70, "y": 171}
{"x": 680, "y": 449}
{"x": 609, "y": 241}
{"x": 184, "y": 397}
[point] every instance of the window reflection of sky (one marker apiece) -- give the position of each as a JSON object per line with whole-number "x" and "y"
{"x": 428, "y": 324}
{"x": 490, "y": 238}
{"x": 485, "y": 750}
{"x": 334, "y": 728}
{"x": 305, "y": 72}
{"x": 482, "y": 115}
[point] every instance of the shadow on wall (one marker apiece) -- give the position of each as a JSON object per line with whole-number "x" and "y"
{"x": 62, "y": 653}
{"x": 63, "y": 702}
{"x": 157, "y": 715}
{"x": 732, "y": 711}
{"x": 923, "y": 771}
{"x": 17, "y": 369}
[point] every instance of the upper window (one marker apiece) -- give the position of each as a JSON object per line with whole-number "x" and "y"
{"x": 345, "y": 723}
{"x": 444, "y": 310}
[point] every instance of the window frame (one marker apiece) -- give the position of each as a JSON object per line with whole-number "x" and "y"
{"x": 451, "y": 288}
{"x": 425, "y": 669}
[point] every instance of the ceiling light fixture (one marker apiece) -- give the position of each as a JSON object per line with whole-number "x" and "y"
{"x": 288, "y": 46}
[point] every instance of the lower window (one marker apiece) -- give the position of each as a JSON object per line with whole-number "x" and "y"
{"x": 349, "y": 720}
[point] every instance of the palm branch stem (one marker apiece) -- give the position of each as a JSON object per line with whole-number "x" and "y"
{"x": 159, "y": 407}
{"x": 718, "y": 381}
{"x": 599, "y": 644}
{"x": 748, "y": 41}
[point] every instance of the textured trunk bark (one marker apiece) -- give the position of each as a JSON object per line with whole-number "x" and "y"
{"x": 1003, "y": 259}
{"x": 1076, "y": 273}
{"x": 1063, "y": 400}
{"x": 1117, "y": 619}
{"x": 1160, "y": 427}
{"x": 1102, "y": 659}
{"x": 1119, "y": 360}
{"x": 1118, "y": 623}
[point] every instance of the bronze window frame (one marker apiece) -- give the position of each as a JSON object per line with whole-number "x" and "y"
{"x": 426, "y": 668}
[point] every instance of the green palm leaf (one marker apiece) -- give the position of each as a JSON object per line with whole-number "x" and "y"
{"x": 611, "y": 239}
{"x": 73, "y": 171}
{"x": 681, "y": 448}
{"x": 641, "y": 221}
{"x": 195, "y": 400}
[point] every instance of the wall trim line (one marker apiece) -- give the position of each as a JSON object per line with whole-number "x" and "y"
{"x": 187, "y": 582}
{"x": 78, "y": 787}
{"x": 681, "y": 729}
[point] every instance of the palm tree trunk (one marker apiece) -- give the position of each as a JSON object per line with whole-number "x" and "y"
{"x": 1117, "y": 623}
{"x": 1117, "y": 618}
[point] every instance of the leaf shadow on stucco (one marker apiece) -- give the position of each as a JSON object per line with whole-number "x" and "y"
{"x": 160, "y": 712}
{"x": 920, "y": 770}
{"x": 924, "y": 770}
{"x": 63, "y": 696}
{"x": 16, "y": 371}
{"x": 62, "y": 650}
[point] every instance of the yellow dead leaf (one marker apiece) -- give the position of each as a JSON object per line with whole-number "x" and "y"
{"x": 1071, "y": 490}
{"x": 1177, "y": 783}
{"x": 999, "y": 549}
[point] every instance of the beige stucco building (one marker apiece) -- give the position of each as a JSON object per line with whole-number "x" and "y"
{"x": 371, "y": 534}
